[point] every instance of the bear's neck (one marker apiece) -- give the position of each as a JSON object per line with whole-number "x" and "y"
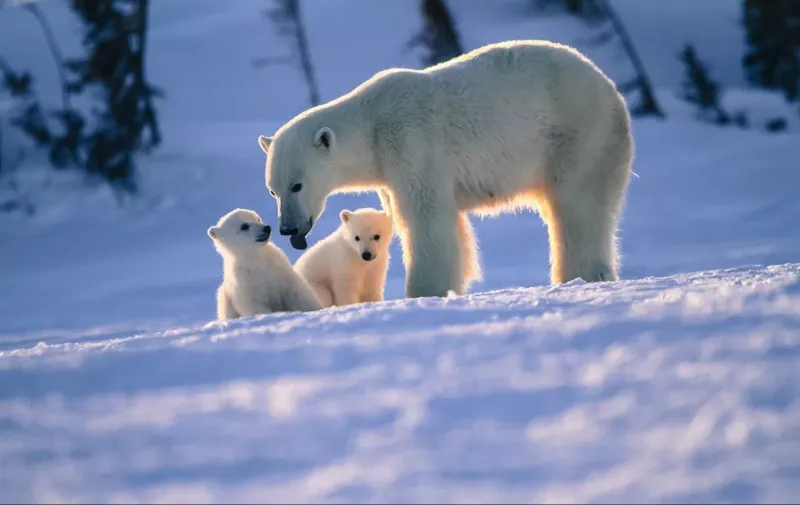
{"x": 260, "y": 258}
{"x": 356, "y": 129}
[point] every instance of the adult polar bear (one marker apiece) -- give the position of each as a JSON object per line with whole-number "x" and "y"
{"x": 516, "y": 124}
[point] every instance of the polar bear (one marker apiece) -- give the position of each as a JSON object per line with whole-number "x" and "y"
{"x": 518, "y": 124}
{"x": 350, "y": 265}
{"x": 257, "y": 276}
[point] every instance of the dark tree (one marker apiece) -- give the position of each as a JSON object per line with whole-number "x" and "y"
{"x": 113, "y": 68}
{"x": 772, "y": 57}
{"x": 115, "y": 40}
{"x": 286, "y": 14}
{"x": 699, "y": 89}
{"x": 30, "y": 118}
{"x": 439, "y": 36}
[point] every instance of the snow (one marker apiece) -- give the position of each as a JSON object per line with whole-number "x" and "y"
{"x": 677, "y": 389}
{"x": 677, "y": 384}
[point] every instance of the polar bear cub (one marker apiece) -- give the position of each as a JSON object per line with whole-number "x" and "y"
{"x": 350, "y": 265}
{"x": 257, "y": 276}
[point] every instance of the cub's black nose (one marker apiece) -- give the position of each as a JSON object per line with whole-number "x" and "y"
{"x": 267, "y": 229}
{"x": 367, "y": 256}
{"x": 285, "y": 230}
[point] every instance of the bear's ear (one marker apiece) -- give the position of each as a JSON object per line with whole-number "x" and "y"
{"x": 324, "y": 138}
{"x": 345, "y": 215}
{"x": 212, "y": 232}
{"x": 265, "y": 142}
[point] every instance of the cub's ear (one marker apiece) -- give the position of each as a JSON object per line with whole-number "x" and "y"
{"x": 324, "y": 138}
{"x": 345, "y": 215}
{"x": 264, "y": 142}
{"x": 213, "y": 231}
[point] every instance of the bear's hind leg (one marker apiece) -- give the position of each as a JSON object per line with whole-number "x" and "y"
{"x": 470, "y": 260}
{"x": 582, "y": 239}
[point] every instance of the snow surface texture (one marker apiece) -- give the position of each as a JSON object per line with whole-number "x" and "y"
{"x": 674, "y": 387}
{"x": 679, "y": 389}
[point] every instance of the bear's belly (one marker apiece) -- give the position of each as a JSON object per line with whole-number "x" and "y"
{"x": 471, "y": 196}
{"x": 489, "y": 195}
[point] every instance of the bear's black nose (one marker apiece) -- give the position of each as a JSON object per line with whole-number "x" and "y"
{"x": 285, "y": 230}
{"x": 267, "y": 229}
{"x": 367, "y": 256}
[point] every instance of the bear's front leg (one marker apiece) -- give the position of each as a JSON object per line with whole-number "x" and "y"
{"x": 430, "y": 217}
{"x": 225, "y": 309}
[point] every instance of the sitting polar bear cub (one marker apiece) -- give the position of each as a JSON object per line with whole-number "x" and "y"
{"x": 349, "y": 266}
{"x": 257, "y": 276}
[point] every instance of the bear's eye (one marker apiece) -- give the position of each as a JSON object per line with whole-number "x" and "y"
{"x": 244, "y": 227}
{"x": 358, "y": 238}
{"x": 272, "y": 193}
{"x": 376, "y": 237}
{"x": 296, "y": 187}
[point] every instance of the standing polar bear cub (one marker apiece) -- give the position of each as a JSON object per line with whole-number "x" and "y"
{"x": 257, "y": 276}
{"x": 350, "y": 265}
{"x": 518, "y": 124}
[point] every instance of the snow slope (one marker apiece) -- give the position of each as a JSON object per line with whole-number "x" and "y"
{"x": 677, "y": 390}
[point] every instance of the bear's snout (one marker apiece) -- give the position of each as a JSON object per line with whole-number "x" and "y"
{"x": 367, "y": 256}
{"x": 266, "y": 231}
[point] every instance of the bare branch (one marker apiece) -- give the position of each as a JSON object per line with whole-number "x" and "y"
{"x": 49, "y": 36}
{"x": 648, "y": 104}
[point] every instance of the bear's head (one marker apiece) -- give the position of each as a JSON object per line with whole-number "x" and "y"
{"x": 304, "y": 162}
{"x": 367, "y": 231}
{"x": 240, "y": 233}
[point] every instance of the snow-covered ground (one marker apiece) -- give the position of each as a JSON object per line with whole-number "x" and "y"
{"x": 666, "y": 390}
{"x": 669, "y": 386}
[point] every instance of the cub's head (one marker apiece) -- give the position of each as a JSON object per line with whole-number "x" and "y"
{"x": 368, "y": 232}
{"x": 304, "y": 161}
{"x": 240, "y": 232}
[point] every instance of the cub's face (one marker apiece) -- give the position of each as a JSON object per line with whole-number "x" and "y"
{"x": 299, "y": 175}
{"x": 368, "y": 232}
{"x": 240, "y": 231}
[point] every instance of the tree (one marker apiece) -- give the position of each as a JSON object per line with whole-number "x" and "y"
{"x": 438, "y": 35}
{"x": 115, "y": 39}
{"x": 772, "y": 57}
{"x": 31, "y": 118}
{"x": 699, "y": 89}
{"x": 286, "y": 14}
{"x": 125, "y": 122}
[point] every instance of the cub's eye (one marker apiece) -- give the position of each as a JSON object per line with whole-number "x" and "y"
{"x": 273, "y": 194}
{"x": 358, "y": 238}
{"x": 297, "y": 187}
{"x": 376, "y": 237}
{"x": 244, "y": 227}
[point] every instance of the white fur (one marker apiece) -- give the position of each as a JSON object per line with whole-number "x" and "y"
{"x": 520, "y": 124}
{"x": 257, "y": 276}
{"x": 334, "y": 266}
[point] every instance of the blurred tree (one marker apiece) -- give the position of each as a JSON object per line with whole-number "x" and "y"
{"x": 609, "y": 26}
{"x": 772, "y": 56}
{"x": 438, "y": 36}
{"x": 115, "y": 39}
{"x": 699, "y": 89}
{"x": 286, "y": 14}
{"x": 30, "y": 118}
